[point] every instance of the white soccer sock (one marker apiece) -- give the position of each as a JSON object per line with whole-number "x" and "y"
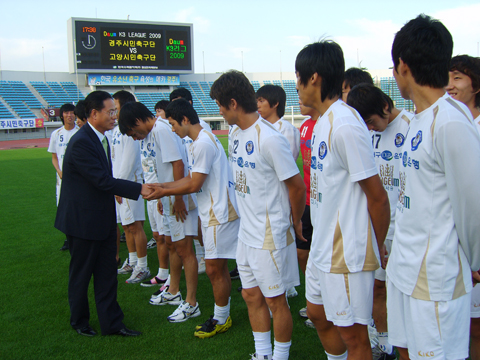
{"x": 199, "y": 249}
{"x": 142, "y": 262}
{"x": 162, "y": 273}
{"x": 221, "y": 313}
{"x": 167, "y": 283}
{"x": 383, "y": 343}
{"x": 263, "y": 343}
{"x": 337, "y": 357}
{"x": 281, "y": 350}
{"x": 132, "y": 259}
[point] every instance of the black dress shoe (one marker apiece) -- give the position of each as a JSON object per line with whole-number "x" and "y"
{"x": 127, "y": 332}
{"x": 65, "y": 246}
{"x": 86, "y": 331}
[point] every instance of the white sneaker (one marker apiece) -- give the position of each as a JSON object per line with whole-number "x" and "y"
{"x": 125, "y": 269}
{"x": 138, "y": 275}
{"x": 166, "y": 298}
{"x": 373, "y": 335}
{"x": 258, "y": 357}
{"x": 292, "y": 292}
{"x": 303, "y": 312}
{"x": 184, "y": 312}
{"x": 309, "y": 324}
{"x": 201, "y": 266}
{"x": 151, "y": 244}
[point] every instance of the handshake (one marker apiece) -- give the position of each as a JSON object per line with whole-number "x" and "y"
{"x": 152, "y": 191}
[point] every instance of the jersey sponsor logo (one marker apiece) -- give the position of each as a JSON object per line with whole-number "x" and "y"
{"x": 322, "y": 150}
{"x": 240, "y": 161}
{"x": 399, "y": 140}
{"x": 386, "y": 175}
{"x": 387, "y": 155}
{"x": 403, "y": 200}
{"x": 417, "y": 140}
{"x": 249, "y": 164}
{"x": 241, "y": 187}
{"x": 249, "y": 147}
{"x": 405, "y": 159}
{"x": 313, "y": 164}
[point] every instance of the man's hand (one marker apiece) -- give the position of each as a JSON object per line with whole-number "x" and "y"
{"x": 179, "y": 209}
{"x": 145, "y": 190}
{"x": 475, "y": 277}
{"x": 160, "y": 207}
{"x": 119, "y": 199}
{"x": 59, "y": 172}
{"x": 297, "y": 226}
{"x": 157, "y": 192}
{"x": 383, "y": 256}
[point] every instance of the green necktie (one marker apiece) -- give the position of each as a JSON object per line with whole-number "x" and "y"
{"x": 105, "y": 145}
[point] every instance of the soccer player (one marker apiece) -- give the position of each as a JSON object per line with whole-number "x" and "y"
{"x": 211, "y": 178}
{"x": 80, "y": 114}
{"x": 435, "y": 246}
{"x": 352, "y": 77}
{"x": 388, "y": 127}
{"x": 349, "y": 208}
{"x": 303, "y": 247}
{"x": 58, "y": 145}
{"x": 160, "y": 108}
{"x": 271, "y": 100}
{"x": 271, "y": 198}
{"x": 464, "y": 86}
{"x": 180, "y": 214}
{"x": 127, "y": 165}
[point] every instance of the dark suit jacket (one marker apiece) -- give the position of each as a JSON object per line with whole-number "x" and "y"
{"x": 86, "y": 208}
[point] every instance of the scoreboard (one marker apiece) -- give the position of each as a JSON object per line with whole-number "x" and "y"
{"x": 104, "y": 46}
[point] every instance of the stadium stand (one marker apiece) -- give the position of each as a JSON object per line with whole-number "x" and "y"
{"x": 4, "y": 113}
{"x": 14, "y": 94}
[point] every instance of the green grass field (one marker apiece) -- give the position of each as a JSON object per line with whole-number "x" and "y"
{"x": 34, "y": 315}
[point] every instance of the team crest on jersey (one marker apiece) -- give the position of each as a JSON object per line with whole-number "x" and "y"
{"x": 405, "y": 159}
{"x": 417, "y": 140}
{"x": 399, "y": 139}
{"x": 249, "y": 147}
{"x": 322, "y": 150}
{"x": 313, "y": 163}
{"x": 240, "y": 162}
{"x": 387, "y": 155}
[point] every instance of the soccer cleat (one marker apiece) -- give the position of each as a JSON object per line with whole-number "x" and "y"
{"x": 153, "y": 282}
{"x": 211, "y": 327}
{"x": 201, "y": 266}
{"x": 373, "y": 335}
{"x": 292, "y": 292}
{"x": 259, "y": 357}
{"x": 378, "y": 354}
{"x": 166, "y": 298}
{"x": 234, "y": 274}
{"x": 184, "y": 312}
{"x": 122, "y": 238}
{"x": 139, "y": 274}
{"x": 151, "y": 244}
{"x": 125, "y": 269}
{"x": 303, "y": 312}
{"x": 309, "y": 324}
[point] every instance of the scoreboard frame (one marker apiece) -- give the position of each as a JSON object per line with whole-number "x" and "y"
{"x": 162, "y": 57}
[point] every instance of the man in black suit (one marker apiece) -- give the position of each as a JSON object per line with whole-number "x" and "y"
{"x": 86, "y": 214}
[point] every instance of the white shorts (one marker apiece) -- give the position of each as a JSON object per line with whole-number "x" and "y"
{"x": 475, "y": 304}
{"x": 177, "y": 230}
{"x": 154, "y": 217}
{"x": 380, "y": 273}
{"x": 346, "y": 298}
{"x": 130, "y": 211}
{"x": 428, "y": 329}
{"x": 273, "y": 271}
{"x": 58, "y": 187}
{"x": 220, "y": 241}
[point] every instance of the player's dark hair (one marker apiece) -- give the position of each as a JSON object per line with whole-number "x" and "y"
{"x": 94, "y": 101}
{"x": 177, "y": 109}
{"x": 355, "y": 76}
{"x": 181, "y": 93}
{"x": 274, "y": 94}
{"x": 469, "y": 66}
{"x": 124, "y": 97}
{"x": 326, "y": 59}
{"x": 369, "y": 100}
{"x": 79, "y": 110}
{"x": 234, "y": 85}
{"x": 130, "y": 114}
{"x": 162, "y": 104}
{"x": 425, "y": 45}
{"x": 65, "y": 108}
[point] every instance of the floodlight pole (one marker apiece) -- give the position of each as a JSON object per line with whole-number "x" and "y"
{"x": 281, "y": 67}
{"x": 44, "y": 76}
{"x": 242, "y": 61}
{"x": 203, "y": 56}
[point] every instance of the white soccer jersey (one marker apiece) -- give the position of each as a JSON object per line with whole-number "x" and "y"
{"x": 168, "y": 148}
{"x": 148, "y": 157}
{"x": 343, "y": 239}
{"x": 231, "y": 129}
{"x": 436, "y": 226}
{"x": 387, "y": 149}
{"x": 125, "y": 154}
{"x": 187, "y": 141}
{"x": 261, "y": 160}
{"x": 291, "y": 133}
{"x": 59, "y": 142}
{"x": 216, "y": 199}
{"x": 477, "y": 123}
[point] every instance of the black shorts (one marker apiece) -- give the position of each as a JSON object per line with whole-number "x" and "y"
{"x": 307, "y": 230}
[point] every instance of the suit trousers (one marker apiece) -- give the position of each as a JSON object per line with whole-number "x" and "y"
{"x": 97, "y": 258}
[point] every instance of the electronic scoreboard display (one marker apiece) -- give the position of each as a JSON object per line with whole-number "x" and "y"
{"x": 104, "y": 46}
